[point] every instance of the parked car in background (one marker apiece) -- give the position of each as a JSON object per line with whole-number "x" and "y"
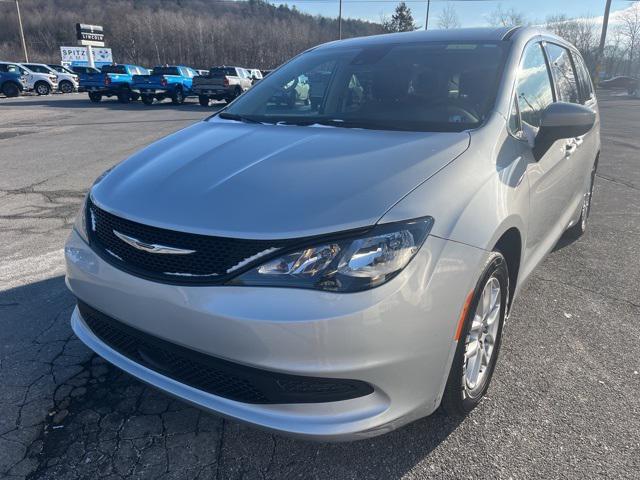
{"x": 62, "y": 70}
{"x": 255, "y": 75}
{"x": 170, "y": 81}
{"x": 67, "y": 81}
{"x": 11, "y": 83}
{"x": 628, "y": 84}
{"x": 202, "y": 72}
{"x": 41, "y": 83}
{"x": 222, "y": 83}
{"x": 112, "y": 80}
{"x": 337, "y": 272}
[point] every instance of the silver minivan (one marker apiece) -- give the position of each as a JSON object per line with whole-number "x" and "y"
{"x": 335, "y": 269}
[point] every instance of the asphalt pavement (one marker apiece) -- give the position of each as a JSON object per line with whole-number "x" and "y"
{"x": 564, "y": 402}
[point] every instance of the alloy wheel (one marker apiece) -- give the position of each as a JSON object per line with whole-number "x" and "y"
{"x": 586, "y": 202}
{"x": 481, "y": 340}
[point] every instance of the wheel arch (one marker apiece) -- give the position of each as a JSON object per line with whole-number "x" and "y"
{"x": 510, "y": 246}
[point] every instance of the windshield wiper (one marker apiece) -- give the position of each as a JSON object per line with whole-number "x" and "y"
{"x": 238, "y": 118}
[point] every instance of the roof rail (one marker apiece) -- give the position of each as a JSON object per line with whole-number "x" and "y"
{"x": 509, "y": 33}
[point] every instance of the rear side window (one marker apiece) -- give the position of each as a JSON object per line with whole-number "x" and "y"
{"x": 38, "y": 68}
{"x": 223, "y": 71}
{"x": 114, "y": 69}
{"x": 584, "y": 79}
{"x": 166, "y": 71}
{"x": 533, "y": 89}
{"x": 563, "y": 73}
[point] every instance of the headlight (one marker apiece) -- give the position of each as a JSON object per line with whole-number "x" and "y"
{"x": 347, "y": 264}
{"x": 80, "y": 225}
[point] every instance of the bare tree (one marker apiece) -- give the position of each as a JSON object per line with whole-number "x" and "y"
{"x": 449, "y": 17}
{"x": 506, "y": 18}
{"x": 581, "y": 32}
{"x": 629, "y": 29}
{"x": 199, "y": 33}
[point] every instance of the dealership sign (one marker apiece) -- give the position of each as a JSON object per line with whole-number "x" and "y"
{"x": 80, "y": 55}
{"x": 90, "y": 34}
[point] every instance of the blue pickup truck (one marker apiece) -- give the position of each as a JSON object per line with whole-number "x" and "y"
{"x": 172, "y": 82}
{"x": 112, "y": 80}
{"x": 11, "y": 83}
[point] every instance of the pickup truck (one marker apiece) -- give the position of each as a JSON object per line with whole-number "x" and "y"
{"x": 171, "y": 81}
{"x": 222, "y": 83}
{"x": 113, "y": 80}
{"x": 11, "y": 83}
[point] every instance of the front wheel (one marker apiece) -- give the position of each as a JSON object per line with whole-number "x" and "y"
{"x": 95, "y": 97}
{"x": 66, "y": 86}
{"x": 43, "y": 88}
{"x": 577, "y": 230}
{"x": 478, "y": 339}
{"x": 147, "y": 99}
{"x": 177, "y": 98}
{"x": 203, "y": 100}
{"x": 10, "y": 89}
{"x": 124, "y": 96}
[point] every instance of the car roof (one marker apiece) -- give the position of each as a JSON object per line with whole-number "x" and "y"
{"x": 488, "y": 34}
{"x": 454, "y": 34}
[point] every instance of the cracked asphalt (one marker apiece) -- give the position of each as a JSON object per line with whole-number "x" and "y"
{"x": 564, "y": 402}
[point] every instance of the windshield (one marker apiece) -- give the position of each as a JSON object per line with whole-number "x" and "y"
{"x": 431, "y": 86}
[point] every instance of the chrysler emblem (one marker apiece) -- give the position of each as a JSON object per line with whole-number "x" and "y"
{"x": 151, "y": 247}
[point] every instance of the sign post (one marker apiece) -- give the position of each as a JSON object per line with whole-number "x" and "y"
{"x": 90, "y": 36}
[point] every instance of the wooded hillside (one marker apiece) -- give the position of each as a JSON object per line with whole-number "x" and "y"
{"x": 200, "y": 33}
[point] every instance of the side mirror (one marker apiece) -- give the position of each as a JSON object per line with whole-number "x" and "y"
{"x": 562, "y": 120}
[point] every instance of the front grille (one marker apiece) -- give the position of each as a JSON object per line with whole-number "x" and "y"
{"x": 214, "y": 375}
{"x": 214, "y": 259}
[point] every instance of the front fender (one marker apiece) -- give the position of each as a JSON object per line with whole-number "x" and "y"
{"x": 477, "y": 197}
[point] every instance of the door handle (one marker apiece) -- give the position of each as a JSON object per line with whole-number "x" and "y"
{"x": 570, "y": 147}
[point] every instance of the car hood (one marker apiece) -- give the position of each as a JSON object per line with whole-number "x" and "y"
{"x": 271, "y": 181}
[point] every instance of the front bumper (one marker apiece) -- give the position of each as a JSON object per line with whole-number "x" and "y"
{"x": 398, "y": 338}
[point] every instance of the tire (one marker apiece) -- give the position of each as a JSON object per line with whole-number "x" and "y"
{"x": 124, "y": 96}
{"x": 203, "y": 100}
{"x": 66, "y": 86}
{"x": 235, "y": 94}
{"x": 580, "y": 227}
{"x": 42, "y": 88}
{"x": 177, "y": 97}
{"x": 461, "y": 396}
{"x": 147, "y": 99}
{"x": 10, "y": 89}
{"x": 95, "y": 97}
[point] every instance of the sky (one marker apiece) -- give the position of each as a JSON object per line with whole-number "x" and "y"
{"x": 471, "y": 13}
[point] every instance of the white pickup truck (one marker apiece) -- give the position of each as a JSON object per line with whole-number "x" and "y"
{"x": 222, "y": 83}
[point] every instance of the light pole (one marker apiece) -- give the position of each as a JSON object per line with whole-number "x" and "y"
{"x": 340, "y": 22}
{"x": 24, "y": 43}
{"x": 426, "y": 22}
{"x": 603, "y": 39}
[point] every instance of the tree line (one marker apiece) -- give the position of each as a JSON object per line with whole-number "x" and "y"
{"x": 621, "y": 54}
{"x": 199, "y": 33}
{"x": 254, "y": 33}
